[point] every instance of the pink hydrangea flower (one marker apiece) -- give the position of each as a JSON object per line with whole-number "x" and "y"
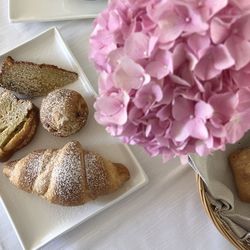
{"x": 174, "y": 75}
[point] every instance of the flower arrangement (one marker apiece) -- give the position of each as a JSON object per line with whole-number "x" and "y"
{"x": 174, "y": 74}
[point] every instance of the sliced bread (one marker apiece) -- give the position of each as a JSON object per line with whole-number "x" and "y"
{"x": 18, "y": 122}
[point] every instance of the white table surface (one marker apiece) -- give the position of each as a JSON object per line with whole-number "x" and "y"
{"x": 166, "y": 214}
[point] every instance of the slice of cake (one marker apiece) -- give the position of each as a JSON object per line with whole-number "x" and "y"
{"x": 32, "y": 79}
{"x": 18, "y": 122}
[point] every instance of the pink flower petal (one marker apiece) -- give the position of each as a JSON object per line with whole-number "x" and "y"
{"x": 182, "y": 108}
{"x": 135, "y": 115}
{"x": 115, "y": 57}
{"x": 148, "y": 130}
{"x": 194, "y": 128}
{"x": 148, "y": 95}
{"x": 179, "y": 56}
{"x": 129, "y": 129}
{"x": 105, "y": 83}
{"x": 115, "y": 130}
{"x": 179, "y": 80}
{"x": 192, "y": 61}
{"x": 213, "y": 62}
{"x": 222, "y": 58}
{"x": 130, "y": 75}
{"x": 244, "y": 100}
{"x": 198, "y": 44}
{"x": 158, "y": 9}
{"x": 164, "y": 113}
{"x": 158, "y": 128}
{"x": 218, "y": 30}
{"x": 157, "y": 69}
{"x": 242, "y": 26}
{"x": 114, "y": 21}
{"x": 238, "y": 126}
{"x": 205, "y": 69}
{"x": 136, "y": 46}
{"x": 203, "y": 110}
{"x": 166, "y": 58}
{"x": 219, "y": 131}
{"x": 241, "y": 78}
{"x": 201, "y": 148}
{"x": 214, "y": 6}
{"x": 229, "y": 101}
{"x": 246, "y": 69}
{"x": 112, "y": 109}
{"x": 108, "y": 105}
{"x": 170, "y": 28}
{"x": 199, "y": 85}
{"x": 240, "y": 53}
{"x": 191, "y": 20}
{"x": 152, "y": 44}
{"x": 167, "y": 91}
{"x": 242, "y": 4}
{"x": 147, "y": 23}
{"x": 157, "y": 92}
{"x": 198, "y": 129}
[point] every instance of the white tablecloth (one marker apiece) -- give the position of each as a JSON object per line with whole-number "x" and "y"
{"x": 166, "y": 214}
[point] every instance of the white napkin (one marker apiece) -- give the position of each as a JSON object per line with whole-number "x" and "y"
{"x": 222, "y": 193}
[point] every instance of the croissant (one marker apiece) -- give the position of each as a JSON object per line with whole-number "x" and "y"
{"x": 69, "y": 176}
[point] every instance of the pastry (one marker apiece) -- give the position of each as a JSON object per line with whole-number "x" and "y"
{"x": 32, "y": 79}
{"x": 63, "y": 112}
{"x": 240, "y": 164}
{"x": 18, "y": 123}
{"x": 69, "y": 176}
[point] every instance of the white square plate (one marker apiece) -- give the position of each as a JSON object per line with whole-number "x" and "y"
{"x": 35, "y": 221}
{"x": 47, "y": 10}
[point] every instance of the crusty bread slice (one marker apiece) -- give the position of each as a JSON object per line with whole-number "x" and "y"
{"x": 239, "y": 161}
{"x": 18, "y": 122}
{"x": 32, "y": 79}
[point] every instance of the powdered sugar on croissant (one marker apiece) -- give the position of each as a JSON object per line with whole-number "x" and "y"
{"x": 68, "y": 176}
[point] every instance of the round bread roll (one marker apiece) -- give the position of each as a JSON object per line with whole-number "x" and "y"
{"x": 63, "y": 112}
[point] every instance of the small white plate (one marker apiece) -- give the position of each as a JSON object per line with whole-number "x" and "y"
{"x": 47, "y": 10}
{"x": 35, "y": 221}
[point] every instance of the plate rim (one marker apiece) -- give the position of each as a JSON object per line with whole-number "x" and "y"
{"x": 46, "y": 19}
{"x": 144, "y": 181}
